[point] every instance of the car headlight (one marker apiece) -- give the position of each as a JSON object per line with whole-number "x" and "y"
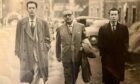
{"x": 93, "y": 40}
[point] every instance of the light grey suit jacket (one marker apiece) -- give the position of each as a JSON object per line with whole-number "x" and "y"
{"x": 68, "y": 43}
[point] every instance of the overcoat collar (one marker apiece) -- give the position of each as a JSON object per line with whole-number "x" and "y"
{"x": 28, "y": 30}
{"x": 71, "y": 33}
{"x": 117, "y": 26}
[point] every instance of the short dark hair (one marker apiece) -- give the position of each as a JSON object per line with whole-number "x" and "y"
{"x": 113, "y": 9}
{"x": 31, "y": 2}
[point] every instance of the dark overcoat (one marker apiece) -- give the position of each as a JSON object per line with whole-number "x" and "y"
{"x": 32, "y": 49}
{"x": 113, "y": 47}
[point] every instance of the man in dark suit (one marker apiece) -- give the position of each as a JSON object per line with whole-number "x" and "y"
{"x": 32, "y": 44}
{"x": 113, "y": 44}
{"x": 68, "y": 45}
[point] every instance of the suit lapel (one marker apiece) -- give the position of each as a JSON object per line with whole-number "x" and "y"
{"x": 110, "y": 31}
{"x": 68, "y": 30}
{"x": 115, "y": 32}
{"x": 118, "y": 29}
{"x": 73, "y": 31}
{"x": 28, "y": 29}
{"x": 118, "y": 26}
{"x": 71, "y": 34}
{"x": 38, "y": 30}
{"x": 109, "y": 27}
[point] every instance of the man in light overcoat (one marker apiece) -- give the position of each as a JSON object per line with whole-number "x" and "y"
{"x": 31, "y": 47}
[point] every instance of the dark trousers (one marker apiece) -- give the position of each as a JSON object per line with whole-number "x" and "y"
{"x": 71, "y": 71}
{"x": 109, "y": 78}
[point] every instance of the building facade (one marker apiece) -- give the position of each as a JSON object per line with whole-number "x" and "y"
{"x": 129, "y": 10}
{"x": 96, "y": 8}
{"x": 58, "y": 6}
{"x": 11, "y": 10}
{"x": 43, "y": 10}
{"x": 79, "y": 7}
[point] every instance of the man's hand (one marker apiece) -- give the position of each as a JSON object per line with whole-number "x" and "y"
{"x": 81, "y": 48}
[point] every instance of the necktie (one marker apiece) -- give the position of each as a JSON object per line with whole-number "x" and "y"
{"x": 113, "y": 27}
{"x": 32, "y": 27}
{"x": 70, "y": 27}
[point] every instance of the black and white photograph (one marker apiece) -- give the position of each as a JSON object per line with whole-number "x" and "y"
{"x": 69, "y": 41}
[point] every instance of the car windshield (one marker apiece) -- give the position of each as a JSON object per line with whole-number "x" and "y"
{"x": 92, "y": 24}
{"x": 90, "y": 21}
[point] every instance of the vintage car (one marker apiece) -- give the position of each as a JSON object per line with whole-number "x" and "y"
{"x": 134, "y": 42}
{"x": 92, "y": 25}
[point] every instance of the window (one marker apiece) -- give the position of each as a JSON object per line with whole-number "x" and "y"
{"x": 98, "y": 14}
{"x": 126, "y": 15}
{"x": 134, "y": 15}
{"x": 120, "y": 14}
{"x": 91, "y": 11}
{"x": 58, "y": 14}
{"x": 61, "y": 1}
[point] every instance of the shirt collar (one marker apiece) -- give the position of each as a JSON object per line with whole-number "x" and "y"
{"x": 71, "y": 24}
{"x": 34, "y": 20}
{"x": 113, "y": 24}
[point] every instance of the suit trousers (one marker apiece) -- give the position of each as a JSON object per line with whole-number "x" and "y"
{"x": 71, "y": 70}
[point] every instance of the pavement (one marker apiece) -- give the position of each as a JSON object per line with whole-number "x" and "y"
{"x": 9, "y": 64}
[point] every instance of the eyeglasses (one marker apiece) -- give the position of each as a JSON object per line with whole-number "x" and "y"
{"x": 67, "y": 15}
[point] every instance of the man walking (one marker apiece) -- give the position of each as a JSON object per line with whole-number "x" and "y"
{"x": 113, "y": 45}
{"x": 32, "y": 44}
{"x": 68, "y": 43}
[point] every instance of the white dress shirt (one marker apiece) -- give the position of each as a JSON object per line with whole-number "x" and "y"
{"x": 70, "y": 26}
{"x": 34, "y": 21}
{"x": 113, "y": 26}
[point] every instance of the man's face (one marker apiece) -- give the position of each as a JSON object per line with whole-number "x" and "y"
{"x": 114, "y": 16}
{"x": 68, "y": 16}
{"x": 31, "y": 9}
